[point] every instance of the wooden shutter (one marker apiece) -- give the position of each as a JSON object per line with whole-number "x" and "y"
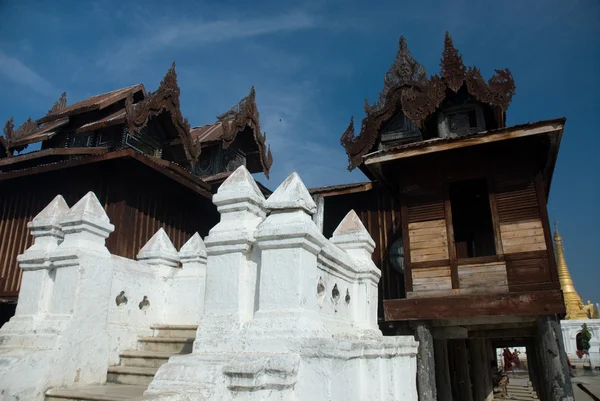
{"x": 518, "y": 210}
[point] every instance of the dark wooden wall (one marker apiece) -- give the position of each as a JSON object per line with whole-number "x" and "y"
{"x": 137, "y": 199}
{"x": 380, "y": 213}
{"x": 524, "y": 257}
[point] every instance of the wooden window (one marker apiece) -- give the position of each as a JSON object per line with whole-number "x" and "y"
{"x": 472, "y": 219}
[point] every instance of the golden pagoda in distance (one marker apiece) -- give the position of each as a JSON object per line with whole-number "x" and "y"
{"x": 576, "y": 310}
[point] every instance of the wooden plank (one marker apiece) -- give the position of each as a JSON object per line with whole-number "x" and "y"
{"x": 525, "y": 248}
{"x": 520, "y": 304}
{"x": 523, "y": 240}
{"x": 526, "y": 255}
{"x": 443, "y": 250}
{"x": 501, "y": 135}
{"x": 507, "y": 227}
{"x": 427, "y": 258}
{"x": 431, "y": 272}
{"x": 495, "y": 219}
{"x": 422, "y": 285}
{"x": 450, "y": 236}
{"x": 523, "y": 233}
{"x": 428, "y": 237}
{"x": 480, "y": 260}
{"x": 539, "y": 187}
{"x": 427, "y": 224}
{"x": 499, "y": 289}
{"x": 434, "y": 243}
{"x": 406, "y": 238}
{"x": 427, "y": 231}
{"x": 432, "y": 263}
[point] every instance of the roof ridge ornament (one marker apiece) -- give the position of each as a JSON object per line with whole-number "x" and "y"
{"x": 405, "y": 86}
{"x": 24, "y": 129}
{"x": 165, "y": 98}
{"x": 236, "y": 119}
{"x": 453, "y": 69}
{"x": 405, "y": 70}
{"x": 60, "y": 104}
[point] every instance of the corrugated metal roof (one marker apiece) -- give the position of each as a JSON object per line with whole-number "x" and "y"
{"x": 436, "y": 141}
{"x": 95, "y": 102}
{"x": 339, "y": 187}
{"x": 40, "y": 134}
{"x": 111, "y": 119}
{"x": 207, "y": 133}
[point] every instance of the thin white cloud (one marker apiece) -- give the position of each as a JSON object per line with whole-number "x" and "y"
{"x": 181, "y": 34}
{"x": 18, "y": 72}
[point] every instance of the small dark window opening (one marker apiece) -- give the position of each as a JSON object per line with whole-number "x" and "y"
{"x": 472, "y": 219}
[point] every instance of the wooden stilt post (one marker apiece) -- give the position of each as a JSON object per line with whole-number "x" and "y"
{"x": 425, "y": 362}
{"x": 488, "y": 352}
{"x": 481, "y": 379}
{"x": 532, "y": 365}
{"x": 442, "y": 371}
{"x": 553, "y": 370}
{"x": 461, "y": 364}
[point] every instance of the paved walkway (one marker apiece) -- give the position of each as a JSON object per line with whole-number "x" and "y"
{"x": 591, "y": 381}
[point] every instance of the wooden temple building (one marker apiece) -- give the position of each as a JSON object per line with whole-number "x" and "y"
{"x": 140, "y": 156}
{"x": 457, "y": 207}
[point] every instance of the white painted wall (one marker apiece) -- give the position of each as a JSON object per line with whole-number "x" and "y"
{"x": 67, "y": 315}
{"x": 273, "y": 326}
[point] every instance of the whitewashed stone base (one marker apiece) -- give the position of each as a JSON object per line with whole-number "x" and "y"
{"x": 570, "y": 328}
{"x": 314, "y": 369}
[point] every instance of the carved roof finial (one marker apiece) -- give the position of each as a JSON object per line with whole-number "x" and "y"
{"x": 9, "y": 128}
{"x": 453, "y": 69}
{"x": 60, "y": 104}
{"x": 405, "y": 70}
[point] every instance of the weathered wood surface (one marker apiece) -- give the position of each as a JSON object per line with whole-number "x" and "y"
{"x": 428, "y": 241}
{"x": 425, "y": 363}
{"x": 442, "y": 371}
{"x": 522, "y": 303}
{"x": 555, "y": 378}
{"x": 523, "y": 237}
{"x": 462, "y": 367}
{"x": 431, "y": 279}
{"x": 486, "y": 277}
{"x": 137, "y": 199}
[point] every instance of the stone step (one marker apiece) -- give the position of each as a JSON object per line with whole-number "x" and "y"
{"x": 171, "y": 345}
{"x": 130, "y": 375}
{"x": 174, "y": 330}
{"x": 144, "y": 359}
{"x": 107, "y": 392}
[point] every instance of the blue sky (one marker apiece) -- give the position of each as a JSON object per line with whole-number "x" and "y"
{"x": 313, "y": 63}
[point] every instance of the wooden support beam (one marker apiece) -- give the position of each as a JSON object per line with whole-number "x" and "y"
{"x": 450, "y": 332}
{"x": 518, "y": 303}
{"x": 442, "y": 371}
{"x": 462, "y": 368}
{"x": 503, "y": 333}
{"x": 479, "y": 369}
{"x": 425, "y": 363}
{"x": 556, "y": 380}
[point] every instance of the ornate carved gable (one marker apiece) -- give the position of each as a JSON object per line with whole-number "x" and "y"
{"x": 242, "y": 115}
{"x": 406, "y": 88}
{"x": 164, "y": 99}
{"x": 60, "y": 104}
{"x": 11, "y": 135}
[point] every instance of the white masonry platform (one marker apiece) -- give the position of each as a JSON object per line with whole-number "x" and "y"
{"x": 289, "y": 314}
{"x": 284, "y": 313}
{"x": 570, "y": 329}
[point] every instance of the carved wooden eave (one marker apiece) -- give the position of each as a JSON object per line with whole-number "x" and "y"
{"x": 164, "y": 99}
{"x": 12, "y": 135}
{"x": 242, "y": 115}
{"x": 406, "y": 87}
{"x": 60, "y": 104}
